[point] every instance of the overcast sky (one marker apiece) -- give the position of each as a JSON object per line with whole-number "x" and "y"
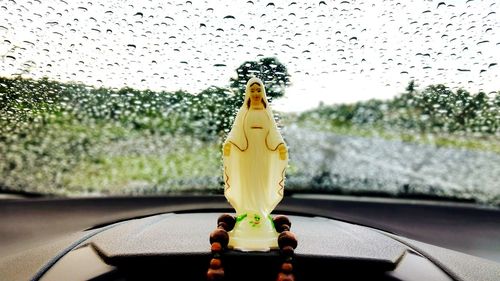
{"x": 335, "y": 51}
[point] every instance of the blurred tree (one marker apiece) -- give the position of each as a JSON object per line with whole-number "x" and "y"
{"x": 411, "y": 88}
{"x": 273, "y": 73}
{"x": 217, "y": 108}
{"x": 464, "y": 108}
{"x": 434, "y": 103}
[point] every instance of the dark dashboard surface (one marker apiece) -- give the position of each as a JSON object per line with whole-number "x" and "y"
{"x": 163, "y": 246}
{"x": 35, "y": 231}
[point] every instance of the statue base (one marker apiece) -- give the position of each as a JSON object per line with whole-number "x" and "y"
{"x": 253, "y": 232}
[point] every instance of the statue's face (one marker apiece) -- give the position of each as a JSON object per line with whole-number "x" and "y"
{"x": 256, "y": 93}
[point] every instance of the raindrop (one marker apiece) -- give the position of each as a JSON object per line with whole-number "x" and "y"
{"x": 229, "y": 17}
{"x": 489, "y": 14}
{"x": 220, "y": 65}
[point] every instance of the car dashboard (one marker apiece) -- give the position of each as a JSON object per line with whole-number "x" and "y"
{"x": 173, "y": 244}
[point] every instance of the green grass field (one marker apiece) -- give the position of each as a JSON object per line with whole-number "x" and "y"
{"x": 74, "y": 159}
{"x": 129, "y": 173}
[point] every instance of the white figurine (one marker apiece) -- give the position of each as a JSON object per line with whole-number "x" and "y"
{"x": 255, "y": 159}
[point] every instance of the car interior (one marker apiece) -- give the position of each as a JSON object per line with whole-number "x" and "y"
{"x": 117, "y": 119}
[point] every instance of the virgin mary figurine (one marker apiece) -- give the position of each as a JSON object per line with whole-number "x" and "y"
{"x": 255, "y": 158}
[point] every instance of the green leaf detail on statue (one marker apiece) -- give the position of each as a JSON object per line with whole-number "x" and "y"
{"x": 241, "y": 217}
{"x": 255, "y": 222}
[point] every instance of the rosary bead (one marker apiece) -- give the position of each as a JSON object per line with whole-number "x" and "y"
{"x": 229, "y": 220}
{"x": 215, "y": 264}
{"x": 285, "y": 277}
{"x": 286, "y": 267}
{"x": 221, "y": 236}
{"x": 223, "y": 225}
{"x": 215, "y": 274}
{"x": 216, "y": 247}
{"x": 287, "y": 238}
{"x": 287, "y": 251}
{"x": 280, "y": 222}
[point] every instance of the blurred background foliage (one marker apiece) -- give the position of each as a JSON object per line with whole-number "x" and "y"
{"x": 435, "y": 109}
{"x": 68, "y": 138}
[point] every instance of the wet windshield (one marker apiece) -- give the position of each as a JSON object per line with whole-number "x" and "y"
{"x": 394, "y": 98}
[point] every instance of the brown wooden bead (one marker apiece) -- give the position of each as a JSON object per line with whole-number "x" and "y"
{"x": 215, "y": 264}
{"x": 216, "y": 247}
{"x": 215, "y": 274}
{"x": 229, "y": 220}
{"x": 221, "y": 236}
{"x": 286, "y": 267}
{"x": 285, "y": 227}
{"x": 287, "y": 251}
{"x": 223, "y": 225}
{"x": 287, "y": 238}
{"x": 280, "y": 221}
{"x": 285, "y": 277}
